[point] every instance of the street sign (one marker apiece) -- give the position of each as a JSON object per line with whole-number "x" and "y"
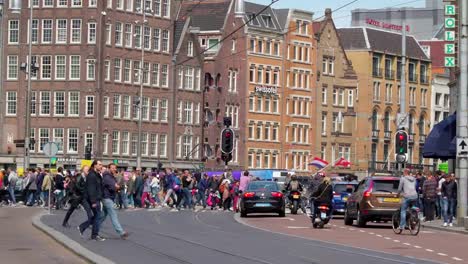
{"x": 50, "y": 149}
{"x": 402, "y": 121}
{"x": 462, "y": 147}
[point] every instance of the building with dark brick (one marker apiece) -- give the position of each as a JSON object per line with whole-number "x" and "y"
{"x": 86, "y": 89}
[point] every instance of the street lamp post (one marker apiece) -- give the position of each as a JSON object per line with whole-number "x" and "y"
{"x": 140, "y": 104}
{"x": 29, "y": 70}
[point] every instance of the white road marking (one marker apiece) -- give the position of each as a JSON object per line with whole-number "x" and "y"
{"x": 362, "y": 231}
{"x": 297, "y": 227}
{"x": 429, "y": 250}
{"x": 427, "y": 232}
{"x": 370, "y": 233}
{"x": 352, "y": 229}
{"x": 417, "y": 247}
{"x": 379, "y": 235}
{"x": 407, "y": 244}
{"x": 442, "y": 254}
{"x": 342, "y": 227}
{"x": 457, "y": 259}
{"x": 397, "y": 241}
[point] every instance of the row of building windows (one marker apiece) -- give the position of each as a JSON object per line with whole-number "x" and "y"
{"x": 298, "y": 133}
{"x": 261, "y": 74}
{"x": 158, "y": 8}
{"x": 57, "y": 103}
{"x": 390, "y": 73}
{"x": 264, "y": 47}
{"x": 127, "y": 107}
{"x": 189, "y": 78}
{"x": 343, "y": 151}
{"x": 299, "y": 79}
{"x": 232, "y": 111}
{"x": 67, "y": 31}
{"x": 338, "y": 121}
{"x": 297, "y": 161}
{"x": 60, "y": 3}
{"x": 67, "y": 139}
{"x": 300, "y": 52}
{"x": 264, "y": 104}
{"x": 57, "y": 67}
{"x": 154, "y": 74}
{"x": 134, "y": 36}
{"x": 263, "y": 131}
{"x": 339, "y": 98}
{"x": 263, "y": 160}
{"x": 188, "y": 147}
{"x": 188, "y": 112}
{"x": 389, "y": 94}
{"x": 124, "y": 143}
{"x": 298, "y": 106}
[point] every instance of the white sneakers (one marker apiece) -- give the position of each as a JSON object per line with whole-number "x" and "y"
{"x": 444, "y": 225}
{"x": 450, "y": 224}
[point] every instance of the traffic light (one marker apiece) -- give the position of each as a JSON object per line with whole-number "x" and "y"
{"x": 88, "y": 152}
{"x": 227, "y": 141}
{"x": 401, "y": 142}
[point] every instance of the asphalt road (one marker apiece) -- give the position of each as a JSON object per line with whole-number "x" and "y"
{"x": 436, "y": 245}
{"x": 21, "y": 243}
{"x": 212, "y": 237}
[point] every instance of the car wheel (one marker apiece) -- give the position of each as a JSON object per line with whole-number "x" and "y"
{"x": 347, "y": 219}
{"x": 361, "y": 222}
{"x": 243, "y": 213}
{"x": 282, "y": 213}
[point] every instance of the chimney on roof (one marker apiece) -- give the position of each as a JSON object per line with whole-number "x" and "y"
{"x": 328, "y": 13}
{"x": 240, "y": 9}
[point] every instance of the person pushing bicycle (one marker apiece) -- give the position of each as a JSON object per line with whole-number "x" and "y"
{"x": 407, "y": 188}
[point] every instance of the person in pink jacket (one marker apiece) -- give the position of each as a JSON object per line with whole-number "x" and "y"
{"x": 244, "y": 181}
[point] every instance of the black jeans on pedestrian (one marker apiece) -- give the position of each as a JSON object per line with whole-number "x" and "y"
{"x": 227, "y": 203}
{"x": 73, "y": 206}
{"x": 429, "y": 208}
{"x": 94, "y": 215}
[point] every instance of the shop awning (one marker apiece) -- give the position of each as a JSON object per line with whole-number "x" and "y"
{"x": 441, "y": 142}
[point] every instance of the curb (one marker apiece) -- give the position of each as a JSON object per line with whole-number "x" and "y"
{"x": 68, "y": 243}
{"x": 445, "y": 229}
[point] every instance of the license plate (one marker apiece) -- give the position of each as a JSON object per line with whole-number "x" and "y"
{"x": 323, "y": 215}
{"x": 391, "y": 200}
{"x": 345, "y": 198}
{"x": 262, "y": 205}
{"x": 295, "y": 196}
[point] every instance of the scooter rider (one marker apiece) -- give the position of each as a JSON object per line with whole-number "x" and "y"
{"x": 323, "y": 195}
{"x": 294, "y": 185}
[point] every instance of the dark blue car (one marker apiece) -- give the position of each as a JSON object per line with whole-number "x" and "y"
{"x": 341, "y": 192}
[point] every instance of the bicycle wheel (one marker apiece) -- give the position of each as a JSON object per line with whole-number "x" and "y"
{"x": 396, "y": 222}
{"x": 414, "y": 224}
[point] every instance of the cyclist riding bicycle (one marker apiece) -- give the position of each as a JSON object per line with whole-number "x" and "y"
{"x": 407, "y": 187}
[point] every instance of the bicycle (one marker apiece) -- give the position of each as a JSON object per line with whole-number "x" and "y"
{"x": 413, "y": 223}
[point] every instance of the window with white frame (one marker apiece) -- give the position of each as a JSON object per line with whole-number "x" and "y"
{"x": 75, "y": 31}
{"x": 45, "y": 103}
{"x": 376, "y": 93}
{"x": 115, "y": 148}
{"x": 47, "y": 25}
{"x": 88, "y": 140}
{"x": 154, "y": 110}
{"x": 35, "y": 31}
{"x": 90, "y": 69}
{"x": 60, "y": 67}
{"x": 147, "y": 38}
{"x": 32, "y": 135}
{"x": 72, "y": 146}
{"x": 108, "y": 34}
{"x": 105, "y": 143}
{"x": 61, "y": 31}
{"x": 33, "y": 103}
{"x": 129, "y": 5}
{"x": 155, "y": 74}
{"x": 107, "y": 70}
{"x": 136, "y": 72}
{"x": 59, "y": 103}
{"x": 44, "y": 137}
{"x": 13, "y": 32}
{"x": 75, "y": 67}
{"x": 11, "y": 103}
{"x": 190, "y": 49}
{"x": 341, "y": 97}
{"x": 145, "y": 108}
{"x": 116, "y": 107}
{"x": 232, "y": 81}
{"x": 117, "y": 70}
{"x": 137, "y": 36}
{"x": 92, "y": 27}
{"x": 73, "y": 103}
{"x": 48, "y": 3}
{"x": 188, "y": 111}
{"x": 118, "y": 34}
{"x": 77, "y": 3}
{"x": 165, "y": 12}
{"x": 146, "y": 72}
{"x": 186, "y": 146}
{"x": 144, "y": 144}
{"x": 165, "y": 75}
{"x": 125, "y": 143}
{"x": 89, "y": 105}
{"x": 350, "y": 98}
{"x": 163, "y": 110}
{"x": 106, "y": 106}
{"x": 133, "y": 144}
{"x": 165, "y": 41}
{"x": 46, "y": 67}
{"x": 163, "y": 145}
{"x": 119, "y": 4}
{"x": 324, "y": 124}
{"x": 156, "y": 39}
{"x": 93, "y": 3}
{"x": 58, "y": 137}
{"x": 109, "y": 4}
{"x": 12, "y": 68}
{"x": 127, "y": 71}
{"x": 62, "y": 3}
{"x": 188, "y": 81}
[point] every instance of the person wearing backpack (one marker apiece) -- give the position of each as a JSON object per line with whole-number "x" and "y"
{"x": 77, "y": 187}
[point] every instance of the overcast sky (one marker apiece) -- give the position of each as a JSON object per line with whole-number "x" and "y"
{"x": 343, "y": 16}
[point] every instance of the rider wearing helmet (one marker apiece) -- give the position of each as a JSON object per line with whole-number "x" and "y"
{"x": 323, "y": 195}
{"x": 294, "y": 185}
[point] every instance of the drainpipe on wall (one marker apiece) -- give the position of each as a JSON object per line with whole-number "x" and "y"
{"x": 1, "y": 73}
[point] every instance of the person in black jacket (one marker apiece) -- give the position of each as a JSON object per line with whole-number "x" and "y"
{"x": 93, "y": 196}
{"x": 449, "y": 198}
{"x": 77, "y": 188}
{"x": 59, "y": 188}
{"x": 323, "y": 195}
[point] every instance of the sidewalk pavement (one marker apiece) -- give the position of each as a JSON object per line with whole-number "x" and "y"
{"x": 437, "y": 225}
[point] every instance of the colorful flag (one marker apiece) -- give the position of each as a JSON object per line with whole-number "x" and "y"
{"x": 319, "y": 163}
{"x": 342, "y": 162}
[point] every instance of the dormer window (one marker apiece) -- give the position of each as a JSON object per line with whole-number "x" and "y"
{"x": 267, "y": 21}
{"x": 252, "y": 18}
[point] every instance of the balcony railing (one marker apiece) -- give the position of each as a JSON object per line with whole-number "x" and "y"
{"x": 375, "y": 134}
{"x": 424, "y": 79}
{"x": 413, "y": 78}
{"x": 377, "y": 72}
{"x": 389, "y": 74}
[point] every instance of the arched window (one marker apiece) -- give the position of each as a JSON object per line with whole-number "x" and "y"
{"x": 375, "y": 125}
{"x": 387, "y": 121}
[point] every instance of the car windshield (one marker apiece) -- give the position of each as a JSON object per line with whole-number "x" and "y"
{"x": 263, "y": 186}
{"x": 389, "y": 186}
{"x": 342, "y": 188}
